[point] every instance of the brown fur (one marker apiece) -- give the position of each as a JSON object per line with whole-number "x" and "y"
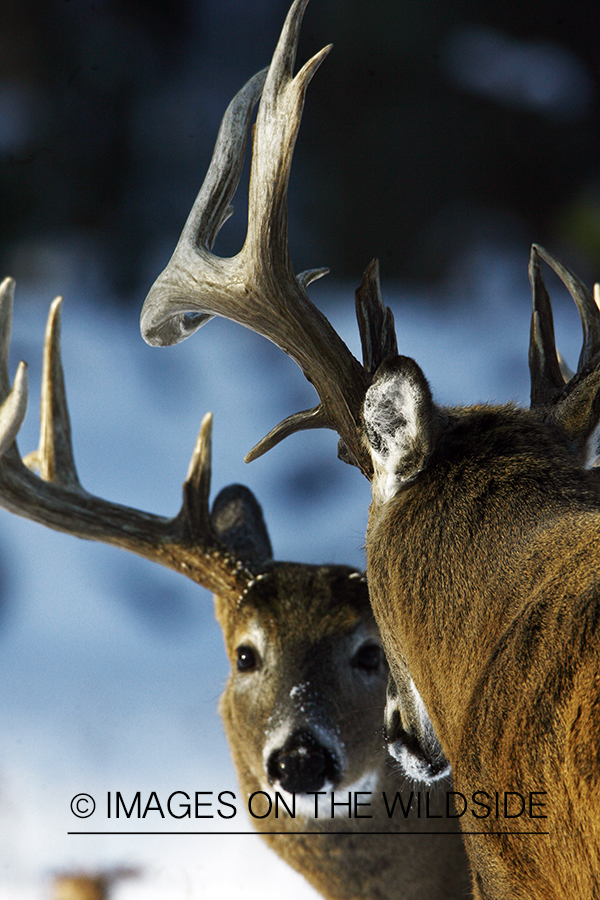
{"x": 483, "y": 577}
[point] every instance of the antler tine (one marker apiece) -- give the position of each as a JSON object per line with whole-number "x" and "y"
{"x": 588, "y": 309}
{"x": 257, "y": 288}
{"x": 12, "y": 411}
{"x": 13, "y": 400}
{"x": 375, "y": 321}
{"x": 7, "y": 295}
{"x": 186, "y": 543}
{"x": 196, "y": 487}
{"x": 547, "y": 381}
{"x": 170, "y": 312}
{"x": 277, "y": 126}
{"x": 54, "y": 457}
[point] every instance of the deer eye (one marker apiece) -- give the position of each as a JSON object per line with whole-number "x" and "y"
{"x": 246, "y": 659}
{"x": 368, "y": 658}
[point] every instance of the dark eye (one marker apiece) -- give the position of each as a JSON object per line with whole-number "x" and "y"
{"x": 246, "y": 659}
{"x": 368, "y": 658}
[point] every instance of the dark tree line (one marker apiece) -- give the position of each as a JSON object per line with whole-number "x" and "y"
{"x": 108, "y": 113}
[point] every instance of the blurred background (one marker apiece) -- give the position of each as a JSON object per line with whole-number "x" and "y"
{"x": 432, "y": 125}
{"x": 441, "y": 137}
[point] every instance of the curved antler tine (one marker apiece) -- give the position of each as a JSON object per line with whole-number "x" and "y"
{"x": 54, "y": 456}
{"x": 310, "y": 275}
{"x": 196, "y": 487}
{"x": 284, "y": 57}
{"x": 13, "y": 400}
{"x": 13, "y": 409}
{"x": 300, "y": 421}
{"x": 588, "y": 309}
{"x": 375, "y": 321}
{"x": 7, "y": 296}
{"x": 174, "y": 307}
{"x": 277, "y": 126}
{"x": 212, "y": 207}
{"x": 546, "y": 378}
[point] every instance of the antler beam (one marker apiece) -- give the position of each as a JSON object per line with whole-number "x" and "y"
{"x": 186, "y": 543}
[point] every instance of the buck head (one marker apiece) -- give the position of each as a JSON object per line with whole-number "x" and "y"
{"x": 404, "y": 426}
{"x": 303, "y": 704}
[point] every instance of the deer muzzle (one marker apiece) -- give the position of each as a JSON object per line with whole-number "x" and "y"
{"x": 303, "y": 765}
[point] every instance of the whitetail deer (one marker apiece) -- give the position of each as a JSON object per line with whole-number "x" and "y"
{"x": 484, "y": 525}
{"x": 303, "y": 705}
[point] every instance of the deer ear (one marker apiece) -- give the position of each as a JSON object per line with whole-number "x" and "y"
{"x": 238, "y": 520}
{"x": 399, "y": 416}
{"x": 578, "y": 414}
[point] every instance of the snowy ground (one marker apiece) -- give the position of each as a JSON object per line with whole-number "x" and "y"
{"x": 110, "y": 666}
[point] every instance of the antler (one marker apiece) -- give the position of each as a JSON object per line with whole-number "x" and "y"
{"x": 187, "y": 543}
{"x": 567, "y": 398}
{"x": 258, "y": 288}
{"x": 547, "y": 379}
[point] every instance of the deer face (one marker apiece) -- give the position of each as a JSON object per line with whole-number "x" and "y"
{"x": 299, "y": 690}
{"x": 304, "y": 702}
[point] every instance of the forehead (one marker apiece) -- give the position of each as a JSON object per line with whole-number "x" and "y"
{"x": 298, "y": 598}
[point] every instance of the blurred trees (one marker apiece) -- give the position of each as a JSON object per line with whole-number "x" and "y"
{"x": 432, "y": 125}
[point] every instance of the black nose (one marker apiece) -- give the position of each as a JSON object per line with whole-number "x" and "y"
{"x": 302, "y": 765}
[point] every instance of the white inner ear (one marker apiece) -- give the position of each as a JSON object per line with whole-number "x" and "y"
{"x": 391, "y": 414}
{"x": 592, "y": 449}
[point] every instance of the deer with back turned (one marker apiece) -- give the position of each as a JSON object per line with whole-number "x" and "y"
{"x": 303, "y": 705}
{"x": 483, "y": 529}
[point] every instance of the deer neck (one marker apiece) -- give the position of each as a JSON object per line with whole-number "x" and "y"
{"x": 449, "y": 571}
